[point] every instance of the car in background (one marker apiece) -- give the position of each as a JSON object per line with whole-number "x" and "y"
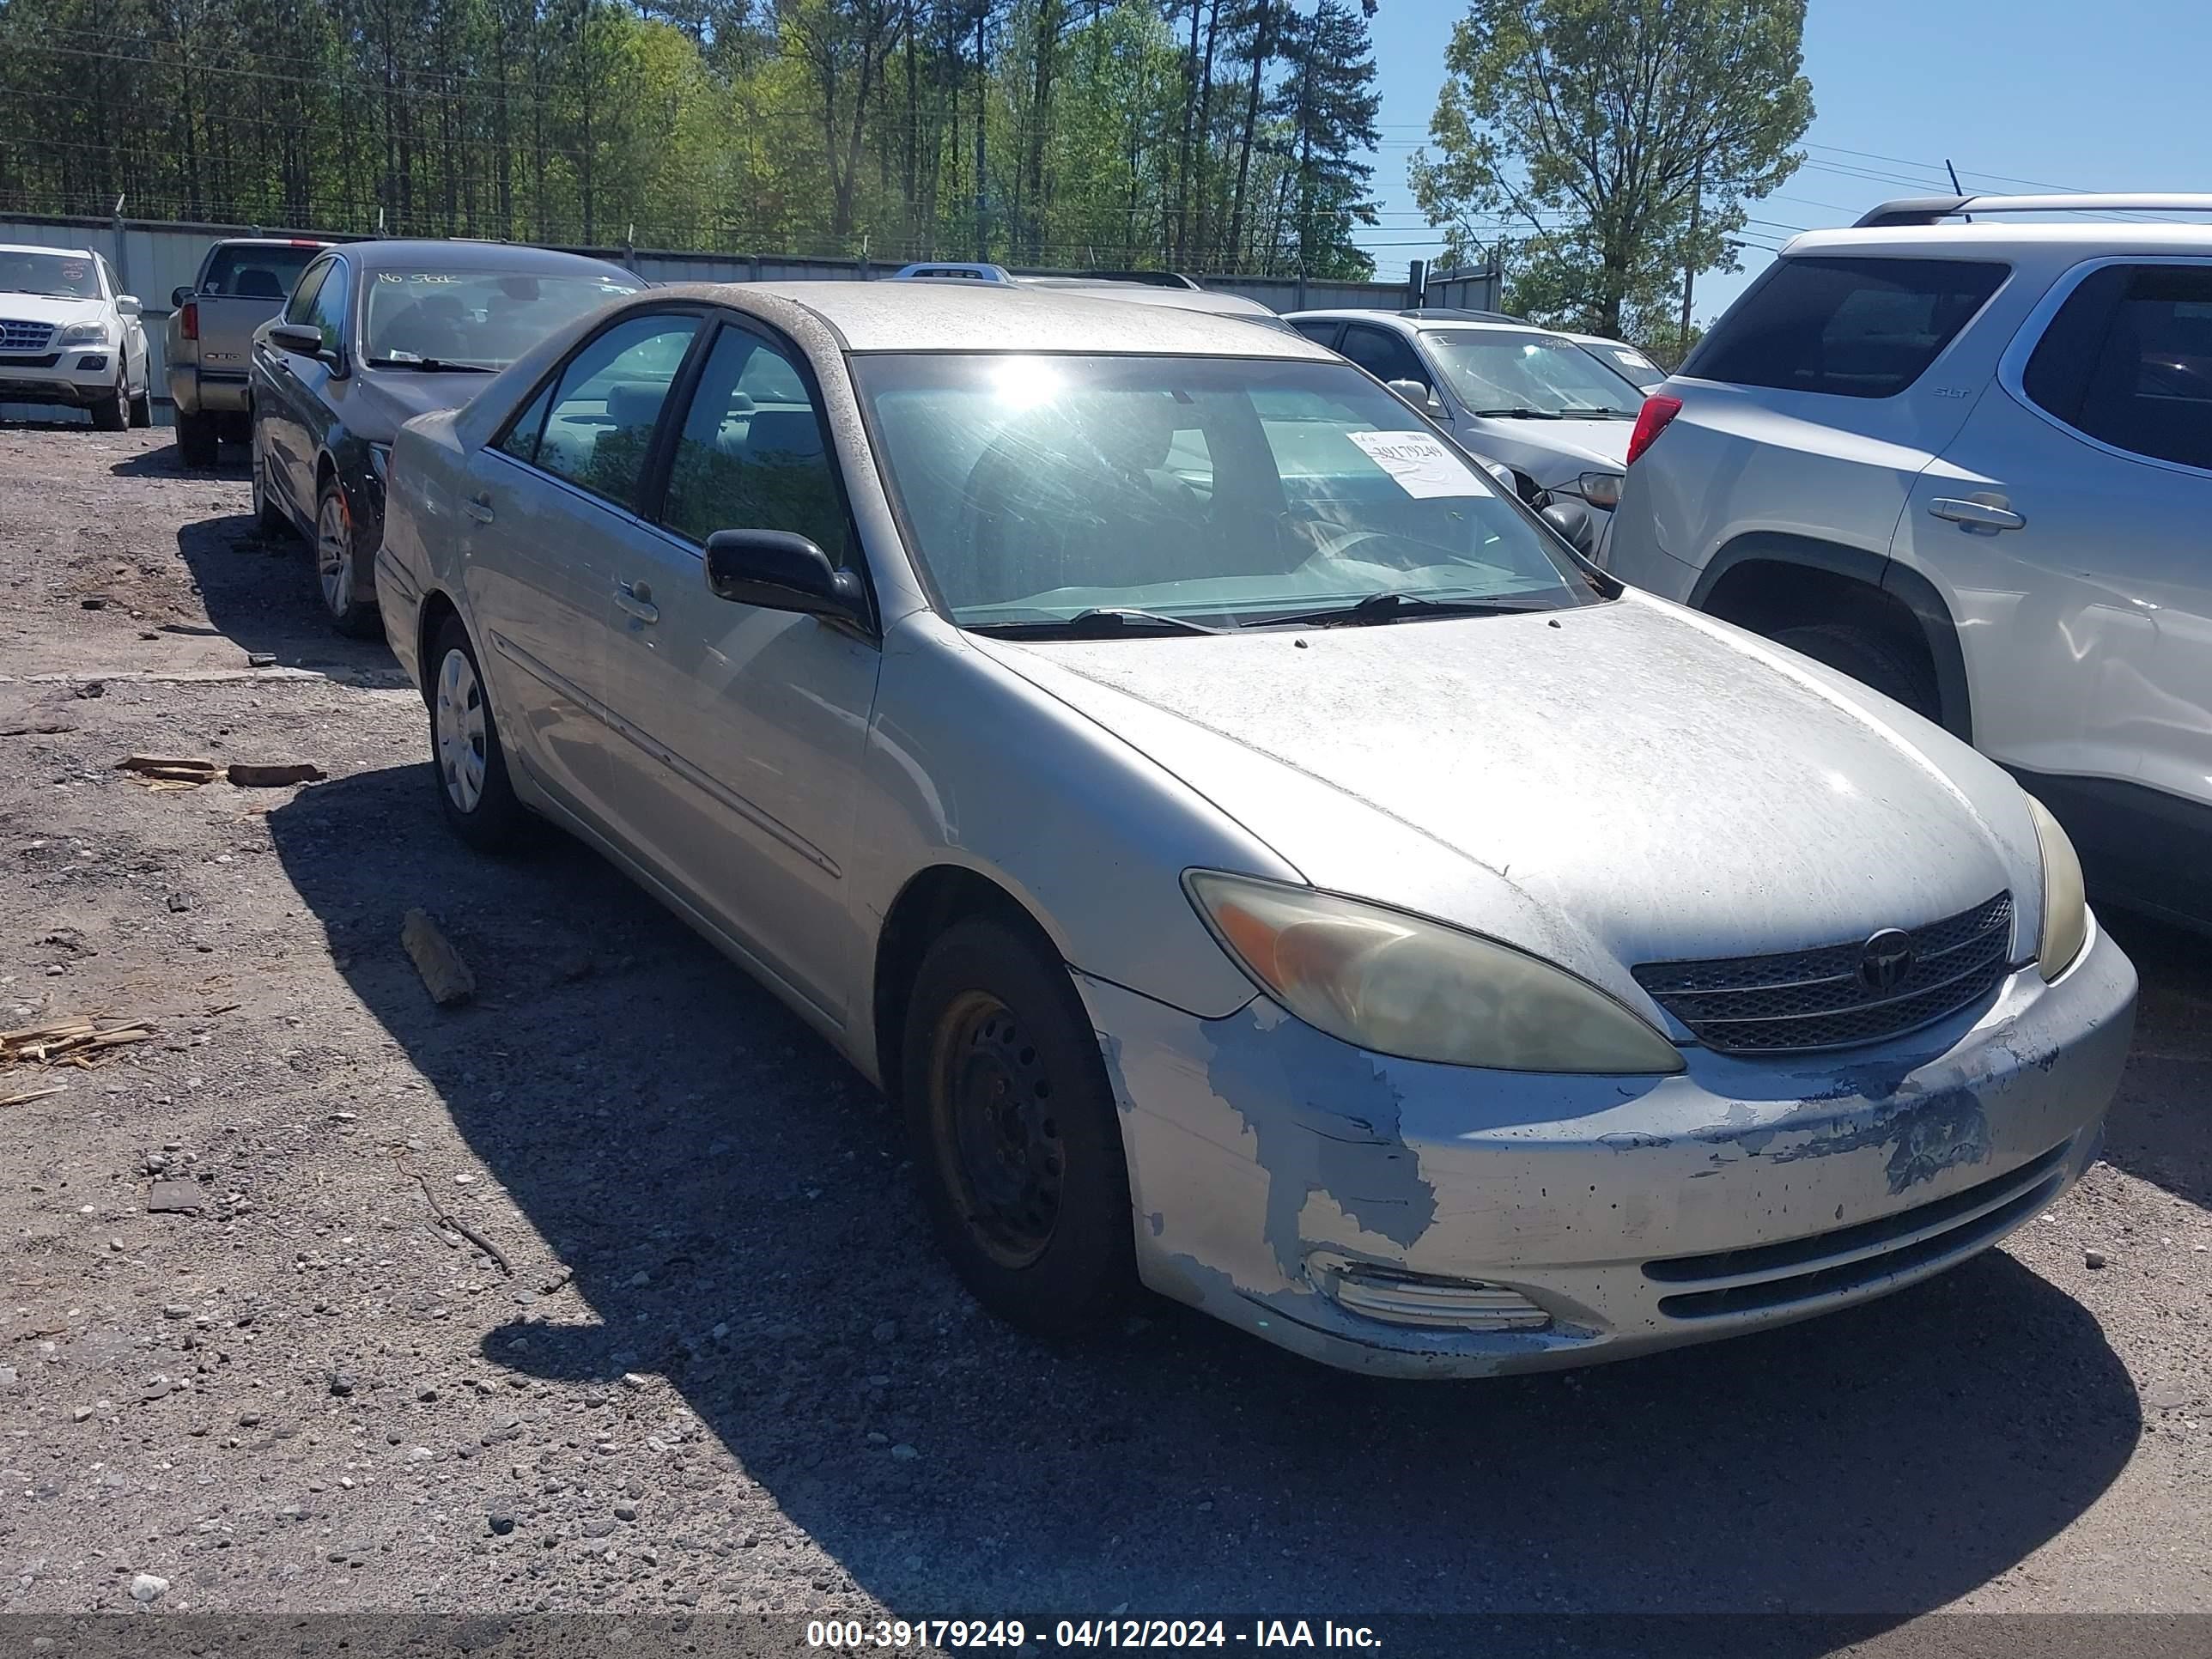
{"x": 1260, "y": 863}
{"x": 1623, "y": 358}
{"x": 69, "y": 336}
{"x": 374, "y": 334}
{"x": 1970, "y": 464}
{"x": 1523, "y": 396}
{"x": 242, "y": 282}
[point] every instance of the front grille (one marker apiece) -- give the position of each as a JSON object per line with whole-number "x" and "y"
{"x": 1802, "y": 999}
{"x": 16, "y": 336}
{"x": 1860, "y": 1256}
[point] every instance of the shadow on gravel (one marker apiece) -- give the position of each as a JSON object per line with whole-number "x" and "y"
{"x": 732, "y": 1201}
{"x": 261, "y": 592}
{"x": 2160, "y": 1130}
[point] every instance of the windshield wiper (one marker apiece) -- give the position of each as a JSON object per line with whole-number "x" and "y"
{"x": 1597, "y": 414}
{"x": 1103, "y": 622}
{"x": 1390, "y": 605}
{"x": 1520, "y": 412}
{"x": 431, "y": 366}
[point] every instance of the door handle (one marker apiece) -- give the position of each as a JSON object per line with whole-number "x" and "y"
{"x": 479, "y": 509}
{"x": 1982, "y": 515}
{"x": 637, "y": 597}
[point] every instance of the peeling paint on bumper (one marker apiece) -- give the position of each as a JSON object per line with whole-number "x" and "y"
{"x": 1256, "y": 1141}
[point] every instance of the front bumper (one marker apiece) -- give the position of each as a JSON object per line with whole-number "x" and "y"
{"x": 1639, "y": 1213}
{"x": 60, "y": 378}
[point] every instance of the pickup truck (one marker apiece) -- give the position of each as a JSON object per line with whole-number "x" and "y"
{"x": 243, "y": 283}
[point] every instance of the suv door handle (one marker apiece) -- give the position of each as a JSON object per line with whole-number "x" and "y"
{"x": 479, "y": 509}
{"x": 1978, "y": 515}
{"x": 637, "y": 597}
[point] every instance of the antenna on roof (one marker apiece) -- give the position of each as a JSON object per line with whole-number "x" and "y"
{"x": 1956, "y": 190}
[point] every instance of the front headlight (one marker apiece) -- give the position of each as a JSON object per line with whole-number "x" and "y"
{"x": 1600, "y": 489}
{"x": 2065, "y": 903}
{"x": 82, "y": 334}
{"x": 1402, "y": 985}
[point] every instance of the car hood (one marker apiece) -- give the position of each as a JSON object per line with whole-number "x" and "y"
{"x": 1552, "y": 452}
{"x": 44, "y": 308}
{"x": 389, "y": 398}
{"x": 1619, "y": 783}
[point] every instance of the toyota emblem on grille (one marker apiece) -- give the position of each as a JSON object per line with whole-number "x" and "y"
{"x": 1885, "y": 960}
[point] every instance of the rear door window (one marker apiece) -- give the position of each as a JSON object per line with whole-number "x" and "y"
{"x": 1382, "y": 354}
{"x": 1848, "y": 327}
{"x": 599, "y": 430}
{"x": 1321, "y": 331}
{"x": 2128, "y": 361}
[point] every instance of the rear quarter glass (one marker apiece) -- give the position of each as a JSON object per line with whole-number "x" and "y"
{"x": 1845, "y": 327}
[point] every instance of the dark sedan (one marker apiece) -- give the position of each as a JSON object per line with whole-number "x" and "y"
{"x": 374, "y": 334}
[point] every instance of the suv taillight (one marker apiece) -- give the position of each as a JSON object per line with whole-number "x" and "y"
{"x": 191, "y": 324}
{"x": 1651, "y": 421}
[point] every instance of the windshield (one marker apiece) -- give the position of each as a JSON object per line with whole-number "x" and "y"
{"x": 485, "y": 318}
{"x": 1502, "y": 371}
{"x": 1225, "y": 491}
{"x": 59, "y": 276}
{"x": 1630, "y": 361}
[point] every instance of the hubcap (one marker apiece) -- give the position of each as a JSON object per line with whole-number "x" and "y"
{"x": 334, "y": 556}
{"x": 997, "y": 1135}
{"x": 460, "y": 716}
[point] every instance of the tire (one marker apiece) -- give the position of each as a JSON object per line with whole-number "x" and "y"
{"x": 1874, "y": 659}
{"x": 1015, "y": 1139}
{"x": 468, "y": 760}
{"x": 141, "y": 410}
{"x": 270, "y": 518}
{"x": 196, "y": 439}
{"x": 113, "y": 412}
{"x": 336, "y": 568}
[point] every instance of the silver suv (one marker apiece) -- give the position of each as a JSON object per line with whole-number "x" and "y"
{"x": 1968, "y": 461}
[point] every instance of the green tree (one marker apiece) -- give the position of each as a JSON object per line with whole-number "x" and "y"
{"x": 1612, "y": 145}
{"x": 1327, "y": 105}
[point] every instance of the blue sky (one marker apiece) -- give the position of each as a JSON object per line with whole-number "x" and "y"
{"x": 2108, "y": 96}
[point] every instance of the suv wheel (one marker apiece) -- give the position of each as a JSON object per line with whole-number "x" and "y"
{"x": 336, "y": 565}
{"x": 196, "y": 439}
{"x": 473, "y": 788}
{"x": 1015, "y": 1139}
{"x": 113, "y": 412}
{"x": 1874, "y": 659}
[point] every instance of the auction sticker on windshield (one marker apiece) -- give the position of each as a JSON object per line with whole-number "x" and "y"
{"x": 1423, "y": 466}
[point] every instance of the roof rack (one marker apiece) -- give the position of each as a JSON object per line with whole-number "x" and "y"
{"x": 1931, "y": 210}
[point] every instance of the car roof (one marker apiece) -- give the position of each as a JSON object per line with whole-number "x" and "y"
{"x": 1418, "y": 323}
{"x": 460, "y": 255}
{"x": 2002, "y": 238}
{"x": 1145, "y": 294}
{"x": 986, "y": 317}
{"x": 40, "y": 247}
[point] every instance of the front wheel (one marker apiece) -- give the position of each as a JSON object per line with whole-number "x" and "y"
{"x": 336, "y": 568}
{"x": 1016, "y": 1138}
{"x": 113, "y": 412}
{"x": 474, "y": 791}
{"x": 1874, "y": 659}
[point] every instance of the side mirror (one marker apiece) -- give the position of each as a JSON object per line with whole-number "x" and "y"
{"x": 1573, "y": 521}
{"x": 777, "y": 570}
{"x": 1423, "y": 397}
{"x": 126, "y": 305}
{"x": 298, "y": 338}
{"x": 178, "y": 296}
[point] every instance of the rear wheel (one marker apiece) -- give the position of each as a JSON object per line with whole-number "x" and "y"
{"x": 1015, "y": 1139}
{"x": 1873, "y": 658}
{"x": 113, "y": 412}
{"x": 473, "y": 788}
{"x": 195, "y": 440}
{"x": 336, "y": 569}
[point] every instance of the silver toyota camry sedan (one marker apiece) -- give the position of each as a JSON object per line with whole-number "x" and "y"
{"x": 1263, "y": 862}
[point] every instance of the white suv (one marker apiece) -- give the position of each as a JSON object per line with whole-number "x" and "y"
{"x": 70, "y": 338}
{"x": 1969, "y": 464}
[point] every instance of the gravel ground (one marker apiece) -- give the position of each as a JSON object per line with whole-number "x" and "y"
{"x": 721, "y": 1367}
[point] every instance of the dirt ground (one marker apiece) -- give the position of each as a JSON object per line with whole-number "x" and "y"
{"x": 721, "y": 1366}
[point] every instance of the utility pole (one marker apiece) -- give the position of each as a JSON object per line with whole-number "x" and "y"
{"x": 1690, "y": 260}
